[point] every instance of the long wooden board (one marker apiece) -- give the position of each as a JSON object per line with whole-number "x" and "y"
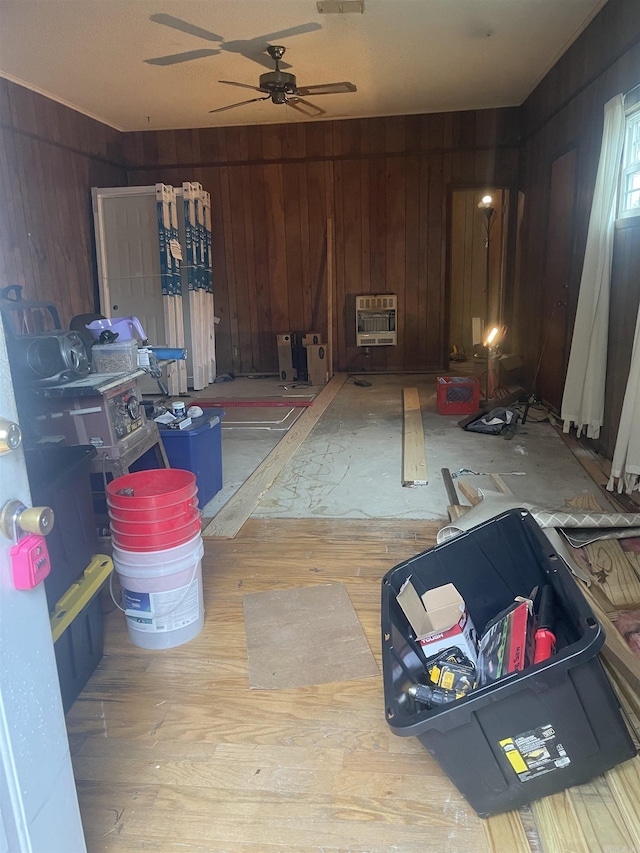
{"x": 623, "y": 781}
{"x": 237, "y": 510}
{"x": 330, "y": 289}
{"x": 558, "y": 824}
{"x": 414, "y": 461}
{"x": 505, "y": 832}
{"x": 616, "y": 571}
{"x": 591, "y": 464}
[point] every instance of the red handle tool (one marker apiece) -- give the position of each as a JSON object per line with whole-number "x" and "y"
{"x": 545, "y": 639}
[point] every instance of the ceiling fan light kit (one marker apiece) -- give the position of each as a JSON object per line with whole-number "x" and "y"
{"x": 281, "y": 88}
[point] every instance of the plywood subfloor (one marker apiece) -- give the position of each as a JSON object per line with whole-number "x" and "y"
{"x": 174, "y": 752}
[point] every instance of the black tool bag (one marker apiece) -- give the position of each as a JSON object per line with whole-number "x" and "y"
{"x": 494, "y": 422}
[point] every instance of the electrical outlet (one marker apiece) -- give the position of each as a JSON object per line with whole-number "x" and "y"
{"x": 235, "y": 352}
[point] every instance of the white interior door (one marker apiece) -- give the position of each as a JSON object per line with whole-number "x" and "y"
{"x": 128, "y": 259}
{"x": 38, "y": 803}
{"x": 130, "y": 270}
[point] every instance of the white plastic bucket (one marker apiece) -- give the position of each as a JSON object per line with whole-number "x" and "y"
{"x": 162, "y": 594}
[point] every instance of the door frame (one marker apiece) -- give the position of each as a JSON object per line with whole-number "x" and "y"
{"x": 38, "y": 800}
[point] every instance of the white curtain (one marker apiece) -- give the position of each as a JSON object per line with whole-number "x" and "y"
{"x": 625, "y": 468}
{"x": 583, "y": 398}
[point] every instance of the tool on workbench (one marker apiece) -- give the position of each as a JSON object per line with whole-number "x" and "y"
{"x": 544, "y": 637}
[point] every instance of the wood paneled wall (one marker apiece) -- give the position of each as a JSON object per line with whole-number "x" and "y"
{"x": 477, "y": 264}
{"x": 562, "y": 127}
{"x": 386, "y": 183}
{"x": 50, "y": 157}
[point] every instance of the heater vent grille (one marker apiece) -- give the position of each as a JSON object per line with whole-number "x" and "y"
{"x": 376, "y": 302}
{"x": 376, "y": 320}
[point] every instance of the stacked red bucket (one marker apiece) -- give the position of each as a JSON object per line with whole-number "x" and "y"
{"x": 153, "y": 510}
{"x": 157, "y": 553}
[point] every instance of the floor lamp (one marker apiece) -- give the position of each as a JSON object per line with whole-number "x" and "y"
{"x": 487, "y": 210}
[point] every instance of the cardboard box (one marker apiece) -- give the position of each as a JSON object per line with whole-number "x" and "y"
{"x": 312, "y": 339}
{"x": 317, "y": 365}
{"x": 439, "y": 618}
{"x": 286, "y": 370}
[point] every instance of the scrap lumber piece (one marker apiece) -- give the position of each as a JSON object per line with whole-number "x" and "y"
{"x": 600, "y": 819}
{"x": 611, "y": 566}
{"x": 414, "y": 462}
{"x": 590, "y": 462}
{"x": 586, "y": 457}
{"x": 470, "y": 492}
{"x": 237, "y": 510}
{"x": 455, "y": 508}
{"x": 624, "y": 782}
{"x": 558, "y": 825}
{"x": 500, "y": 485}
{"x": 505, "y": 832}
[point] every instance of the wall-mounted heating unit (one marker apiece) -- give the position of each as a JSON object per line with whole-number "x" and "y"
{"x": 376, "y": 320}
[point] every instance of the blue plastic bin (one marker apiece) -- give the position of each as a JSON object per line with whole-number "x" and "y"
{"x": 196, "y": 448}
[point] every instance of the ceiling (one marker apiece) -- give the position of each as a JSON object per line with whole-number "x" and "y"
{"x": 404, "y": 56}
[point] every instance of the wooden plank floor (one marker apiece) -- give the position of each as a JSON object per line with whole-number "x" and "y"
{"x": 173, "y": 752}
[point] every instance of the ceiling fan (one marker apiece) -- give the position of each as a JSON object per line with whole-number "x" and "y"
{"x": 281, "y": 88}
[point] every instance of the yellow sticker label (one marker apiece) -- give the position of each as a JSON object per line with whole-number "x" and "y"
{"x": 515, "y": 759}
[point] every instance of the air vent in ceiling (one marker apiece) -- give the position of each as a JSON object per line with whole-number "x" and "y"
{"x": 340, "y": 7}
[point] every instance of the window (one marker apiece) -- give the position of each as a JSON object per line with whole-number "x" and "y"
{"x": 630, "y": 178}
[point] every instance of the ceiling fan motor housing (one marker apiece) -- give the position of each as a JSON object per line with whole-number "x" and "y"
{"x": 278, "y": 82}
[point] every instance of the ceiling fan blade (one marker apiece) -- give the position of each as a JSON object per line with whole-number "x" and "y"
{"x": 304, "y": 107}
{"x": 184, "y": 27}
{"x": 175, "y": 58}
{"x": 242, "y": 85}
{"x": 239, "y": 104}
{"x": 327, "y": 89}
